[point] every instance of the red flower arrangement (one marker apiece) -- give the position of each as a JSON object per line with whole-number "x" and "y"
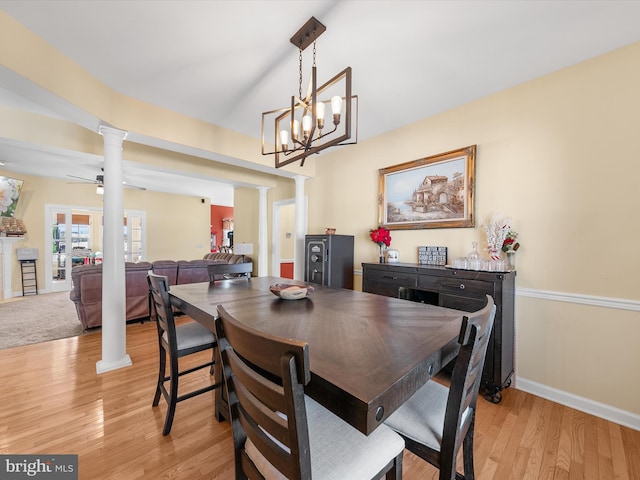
{"x": 381, "y": 236}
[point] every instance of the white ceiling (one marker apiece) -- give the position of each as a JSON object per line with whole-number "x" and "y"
{"x": 225, "y": 62}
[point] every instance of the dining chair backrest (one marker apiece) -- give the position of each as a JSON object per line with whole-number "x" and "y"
{"x": 264, "y": 376}
{"x": 159, "y": 293}
{"x": 219, "y": 271}
{"x": 465, "y": 382}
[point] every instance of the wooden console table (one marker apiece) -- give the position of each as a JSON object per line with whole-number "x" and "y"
{"x": 462, "y": 290}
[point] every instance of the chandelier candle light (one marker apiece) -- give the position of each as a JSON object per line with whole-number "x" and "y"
{"x": 299, "y": 131}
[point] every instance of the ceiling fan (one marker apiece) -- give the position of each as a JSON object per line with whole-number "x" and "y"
{"x": 99, "y": 181}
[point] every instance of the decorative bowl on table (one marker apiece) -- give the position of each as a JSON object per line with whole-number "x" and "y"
{"x": 289, "y": 291}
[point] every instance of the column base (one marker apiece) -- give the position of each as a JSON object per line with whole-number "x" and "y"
{"x": 103, "y": 366}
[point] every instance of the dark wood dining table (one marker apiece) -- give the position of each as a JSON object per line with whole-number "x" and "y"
{"x": 368, "y": 353}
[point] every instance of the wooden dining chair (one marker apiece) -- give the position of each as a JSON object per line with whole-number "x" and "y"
{"x": 279, "y": 432}
{"x": 436, "y": 421}
{"x": 176, "y": 342}
{"x": 225, "y": 271}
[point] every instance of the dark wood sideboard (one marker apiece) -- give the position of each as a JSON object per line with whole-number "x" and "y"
{"x": 461, "y": 290}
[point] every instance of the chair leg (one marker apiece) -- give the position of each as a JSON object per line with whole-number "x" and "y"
{"x": 162, "y": 362}
{"x": 395, "y": 472}
{"x": 173, "y": 396}
{"x": 467, "y": 455}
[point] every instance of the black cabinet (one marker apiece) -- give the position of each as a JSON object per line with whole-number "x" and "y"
{"x": 462, "y": 290}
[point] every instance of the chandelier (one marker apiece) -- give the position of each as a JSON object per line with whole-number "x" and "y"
{"x": 302, "y": 129}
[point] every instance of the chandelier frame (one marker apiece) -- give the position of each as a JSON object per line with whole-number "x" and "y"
{"x": 313, "y": 140}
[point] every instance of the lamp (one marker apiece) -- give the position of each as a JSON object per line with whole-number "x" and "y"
{"x": 100, "y": 189}
{"x": 301, "y": 129}
{"x": 243, "y": 249}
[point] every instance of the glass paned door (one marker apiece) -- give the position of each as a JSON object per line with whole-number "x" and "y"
{"x": 74, "y": 237}
{"x": 60, "y": 246}
{"x": 134, "y": 236}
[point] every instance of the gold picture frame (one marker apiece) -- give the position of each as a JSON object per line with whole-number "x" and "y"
{"x": 432, "y": 192}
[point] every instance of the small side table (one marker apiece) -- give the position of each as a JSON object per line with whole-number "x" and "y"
{"x": 29, "y": 277}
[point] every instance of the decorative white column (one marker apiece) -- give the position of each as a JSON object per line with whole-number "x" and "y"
{"x": 114, "y": 334}
{"x": 6, "y": 249}
{"x": 263, "y": 243}
{"x": 300, "y": 227}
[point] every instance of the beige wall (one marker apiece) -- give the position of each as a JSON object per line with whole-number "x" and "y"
{"x": 558, "y": 155}
{"x": 177, "y": 226}
{"x": 245, "y": 220}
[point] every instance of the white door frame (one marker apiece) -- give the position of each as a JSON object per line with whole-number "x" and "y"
{"x": 275, "y": 232}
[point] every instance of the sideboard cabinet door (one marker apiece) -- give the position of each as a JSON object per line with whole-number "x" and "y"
{"x": 389, "y": 280}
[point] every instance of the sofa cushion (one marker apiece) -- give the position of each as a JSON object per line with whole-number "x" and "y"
{"x": 137, "y": 290}
{"x": 192, "y": 271}
{"x": 87, "y": 294}
{"x": 168, "y": 268}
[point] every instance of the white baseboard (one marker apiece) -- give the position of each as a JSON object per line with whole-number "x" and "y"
{"x": 613, "y": 414}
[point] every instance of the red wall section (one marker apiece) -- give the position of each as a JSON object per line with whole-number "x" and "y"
{"x": 217, "y": 214}
{"x": 286, "y": 270}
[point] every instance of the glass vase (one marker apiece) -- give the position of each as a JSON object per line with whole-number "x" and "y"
{"x": 511, "y": 259}
{"x": 495, "y": 253}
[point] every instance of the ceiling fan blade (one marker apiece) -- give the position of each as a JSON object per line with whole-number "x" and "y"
{"x": 126, "y": 185}
{"x": 84, "y": 180}
{"x": 100, "y": 181}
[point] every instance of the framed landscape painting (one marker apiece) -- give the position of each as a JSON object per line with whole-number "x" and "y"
{"x": 432, "y": 192}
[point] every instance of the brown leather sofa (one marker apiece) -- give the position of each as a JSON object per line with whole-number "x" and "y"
{"x": 87, "y": 284}
{"x": 228, "y": 258}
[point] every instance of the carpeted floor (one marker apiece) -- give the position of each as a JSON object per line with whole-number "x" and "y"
{"x": 38, "y": 318}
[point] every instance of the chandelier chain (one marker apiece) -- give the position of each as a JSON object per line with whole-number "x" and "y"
{"x": 300, "y": 74}
{"x": 314, "y": 53}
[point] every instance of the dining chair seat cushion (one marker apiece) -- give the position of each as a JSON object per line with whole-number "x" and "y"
{"x": 421, "y": 418}
{"x": 191, "y": 334}
{"x": 338, "y": 451}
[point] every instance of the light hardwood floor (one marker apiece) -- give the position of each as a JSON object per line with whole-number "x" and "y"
{"x": 52, "y": 401}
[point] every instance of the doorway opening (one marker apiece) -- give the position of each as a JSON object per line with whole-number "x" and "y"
{"x": 284, "y": 237}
